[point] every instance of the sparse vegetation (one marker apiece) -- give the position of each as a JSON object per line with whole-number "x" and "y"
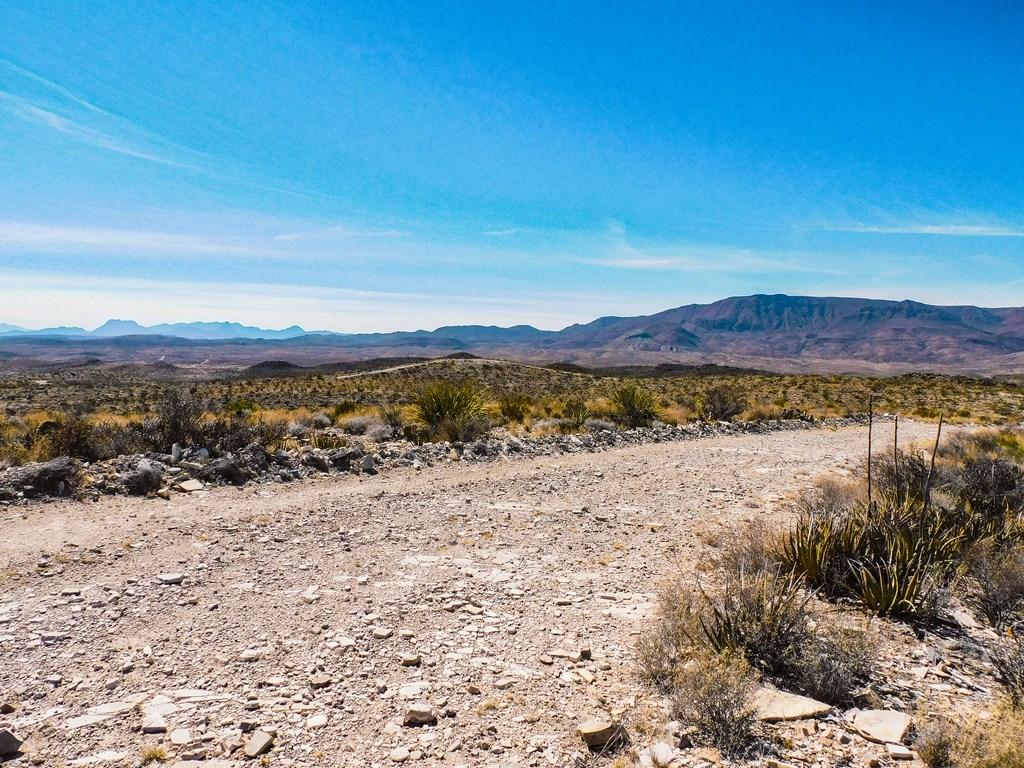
{"x": 900, "y": 553}
{"x": 634, "y": 406}
{"x": 712, "y": 694}
{"x": 154, "y": 754}
{"x": 452, "y": 412}
{"x": 721, "y": 403}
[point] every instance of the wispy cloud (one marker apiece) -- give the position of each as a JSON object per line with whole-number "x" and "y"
{"x": 43, "y": 237}
{"x": 36, "y": 100}
{"x": 339, "y": 231}
{"x": 21, "y": 108}
{"x": 616, "y": 249}
{"x": 502, "y": 232}
{"x": 49, "y": 105}
{"x": 951, "y": 230}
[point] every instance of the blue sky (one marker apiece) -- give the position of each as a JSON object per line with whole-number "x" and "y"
{"x": 366, "y": 166}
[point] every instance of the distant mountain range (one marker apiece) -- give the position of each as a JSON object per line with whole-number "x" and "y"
{"x": 198, "y": 331}
{"x": 778, "y": 332}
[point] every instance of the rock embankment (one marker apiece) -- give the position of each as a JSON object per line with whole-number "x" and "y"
{"x": 191, "y": 469}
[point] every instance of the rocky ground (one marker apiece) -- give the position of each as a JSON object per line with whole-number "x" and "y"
{"x": 452, "y": 613}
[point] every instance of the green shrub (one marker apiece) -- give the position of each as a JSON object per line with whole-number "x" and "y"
{"x": 760, "y": 615}
{"x": 895, "y": 558}
{"x": 764, "y": 618}
{"x": 451, "y": 412}
{"x": 634, "y": 407}
{"x": 72, "y": 435}
{"x": 514, "y": 407}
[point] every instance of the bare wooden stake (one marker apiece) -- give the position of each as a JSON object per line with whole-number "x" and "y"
{"x": 896, "y": 454}
{"x": 931, "y": 468}
{"x": 871, "y": 415}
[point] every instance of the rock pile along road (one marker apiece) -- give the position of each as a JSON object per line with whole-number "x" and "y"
{"x": 468, "y": 614}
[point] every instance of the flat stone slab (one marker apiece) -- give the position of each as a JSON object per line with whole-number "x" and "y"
{"x": 772, "y": 706}
{"x": 189, "y": 486}
{"x": 101, "y": 757}
{"x": 884, "y": 726}
{"x": 260, "y": 742}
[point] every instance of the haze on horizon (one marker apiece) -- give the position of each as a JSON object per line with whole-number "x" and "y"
{"x": 390, "y": 166}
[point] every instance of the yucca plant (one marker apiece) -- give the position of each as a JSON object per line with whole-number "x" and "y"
{"x": 452, "y": 412}
{"x": 574, "y": 416}
{"x": 634, "y": 407}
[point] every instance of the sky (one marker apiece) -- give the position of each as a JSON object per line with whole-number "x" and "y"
{"x": 378, "y": 166}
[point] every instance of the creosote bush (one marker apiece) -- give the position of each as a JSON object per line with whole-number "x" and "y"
{"x": 721, "y": 403}
{"x": 452, "y": 412}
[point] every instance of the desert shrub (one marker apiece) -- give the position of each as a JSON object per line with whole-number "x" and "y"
{"x": 755, "y": 547}
{"x": 379, "y": 433}
{"x": 393, "y": 417}
{"x": 599, "y": 425}
{"x": 835, "y": 663}
{"x": 901, "y": 477}
{"x": 180, "y": 420}
{"x": 991, "y": 487}
{"x": 634, "y": 407}
{"x": 721, "y": 403}
{"x": 321, "y": 421}
{"x": 1008, "y": 659}
{"x": 574, "y": 416}
{"x": 760, "y": 615}
{"x": 993, "y": 742}
{"x": 935, "y": 742}
{"x": 995, "y": 582}
{"x": 514, "y": 407}
{"x": 713, "y": 695}
{"x": 224, "y": 434}
{"x": 343, "y": 408}
{"x": 71, "y": 435}
{"x": 241, "y": 406}
{"x": 359, "y": 425}
{"x": 298, "y": 429}
{"x": 668, "y": 642}
{"x": 763, "y": 617}
{"x": 453, "y": 412}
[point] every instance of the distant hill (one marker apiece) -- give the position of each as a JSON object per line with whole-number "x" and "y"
{"x": 775, "y": 332}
